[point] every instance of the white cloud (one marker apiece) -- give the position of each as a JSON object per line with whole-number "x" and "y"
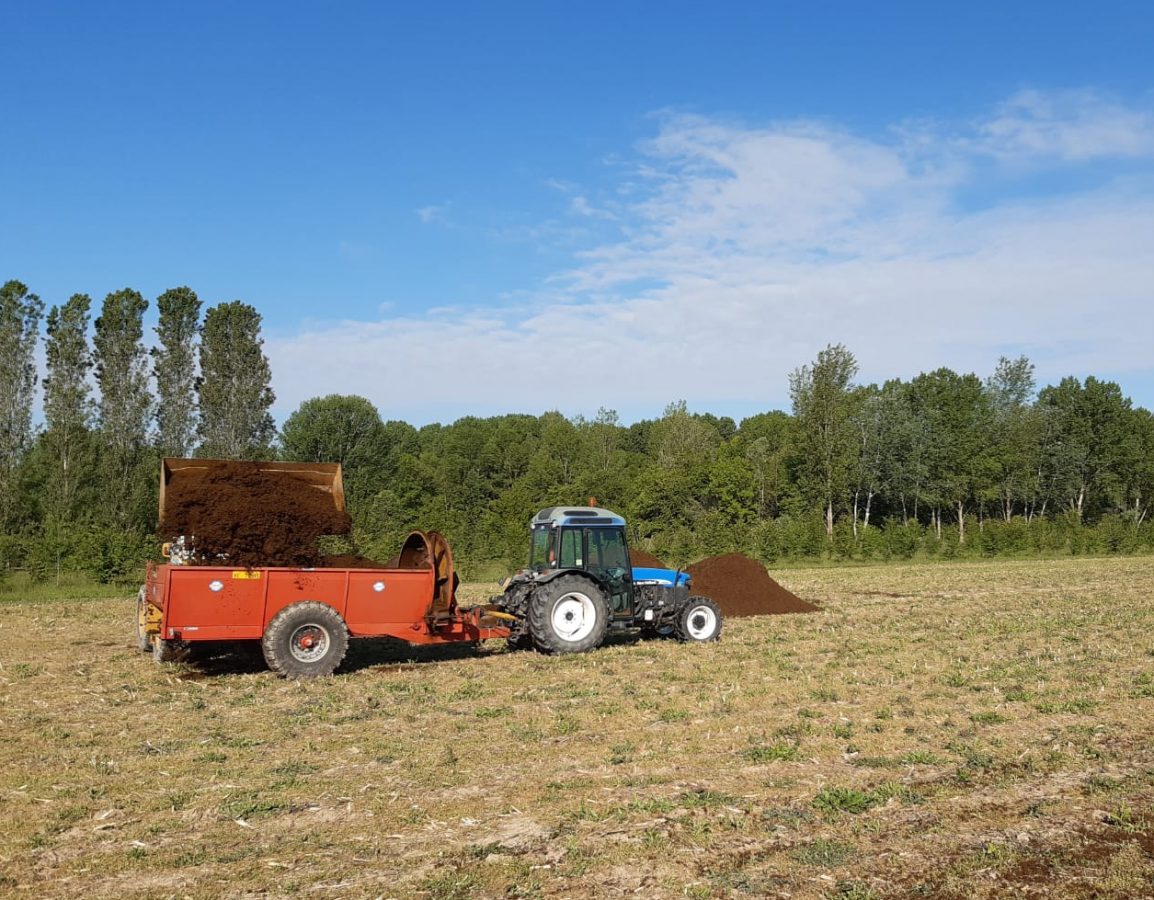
{"x": 1070, "y": 125}
{"x": 743, "y": 251}
{"x": 433, "y": 213}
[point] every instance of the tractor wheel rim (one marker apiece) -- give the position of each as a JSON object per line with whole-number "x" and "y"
{"x": 574, "y": 617}
{"x": 701, "y": 623}
{"x": 308, "y": 643}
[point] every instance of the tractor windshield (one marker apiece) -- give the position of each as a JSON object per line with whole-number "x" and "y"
{"x": 540, "y": 549}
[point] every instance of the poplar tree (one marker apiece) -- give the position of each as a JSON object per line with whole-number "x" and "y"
{"x": 1016, "y": 433}
{"x": 234, "y": 392}
{"x": 125, "y": 402}
{"x": 20, "y": 313}
{"x": 67, "y": 404}
{"x": 174, "y": 367}
{"x": 823, "y": 403}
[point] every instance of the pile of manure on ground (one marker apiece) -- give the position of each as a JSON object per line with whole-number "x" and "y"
{"x": 641, "y": 559}
{"x": 741, "y": 586}
{"x": 242, "y": 516}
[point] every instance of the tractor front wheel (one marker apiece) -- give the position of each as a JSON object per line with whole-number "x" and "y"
{"x": 700, "y": 621}
{"x": 305, "y": 640}
{"x": 568, "y": 615}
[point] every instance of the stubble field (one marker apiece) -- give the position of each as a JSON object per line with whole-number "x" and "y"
{"x": 946, "y": 730}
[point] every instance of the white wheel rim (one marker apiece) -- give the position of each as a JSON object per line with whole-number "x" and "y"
{"x": 309, "y": 643}
{"x": 701, "y": 623}
{"x": 574, "y": 617}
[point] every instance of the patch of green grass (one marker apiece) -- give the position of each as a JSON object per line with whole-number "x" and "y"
{"x": 824, "y": 853}
{"x": 920, "y": 758}
{"x": 1081, "y": 705}
{"x": 844, "y": 800}
{"x": 766, "y": 753}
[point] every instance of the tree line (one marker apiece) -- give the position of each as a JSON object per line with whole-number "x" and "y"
{"x": 943, "y": 464}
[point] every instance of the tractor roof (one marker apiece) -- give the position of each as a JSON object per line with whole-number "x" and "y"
{"x": 577, "y": 515}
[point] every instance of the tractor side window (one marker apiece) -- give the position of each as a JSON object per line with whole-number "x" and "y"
{"x": 539, "y": 549}
{"x": 607, "y": 549}
{"x": 571, "y": 548}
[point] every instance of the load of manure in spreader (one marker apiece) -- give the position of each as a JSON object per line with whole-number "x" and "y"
{"x": 237, "y": 515}
{"x": 740, "y": 586}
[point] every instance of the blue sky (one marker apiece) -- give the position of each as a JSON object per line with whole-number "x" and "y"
{"x": 427, "y": 203}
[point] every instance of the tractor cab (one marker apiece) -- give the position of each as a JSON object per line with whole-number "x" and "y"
{"x": 587, "y": 539}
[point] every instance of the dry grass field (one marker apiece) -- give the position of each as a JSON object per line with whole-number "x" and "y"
{"x": 949, "y": 730}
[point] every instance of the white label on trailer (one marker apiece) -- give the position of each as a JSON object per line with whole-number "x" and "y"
{"x": 378, "y": 586}
{"x": 216, "y": 585}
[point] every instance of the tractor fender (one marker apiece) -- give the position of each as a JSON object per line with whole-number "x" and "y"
{"x": 551, "y": 576}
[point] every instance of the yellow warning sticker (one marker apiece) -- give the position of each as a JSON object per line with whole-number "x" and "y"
{"x": 245, "y": 575}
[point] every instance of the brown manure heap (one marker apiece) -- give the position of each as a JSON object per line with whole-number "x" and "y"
{"x": 245, "y": 517}
{"x": 742, "y": 587}
{"x": 639, "y": 558}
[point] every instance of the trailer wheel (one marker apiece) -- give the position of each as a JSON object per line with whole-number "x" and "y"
{"x": 305, "y": 640}
{"x": 568, "y": 615}
{"x": 171, "y": 651}
{"x": 143, "y": 642}
{"x": 700, "y": 621}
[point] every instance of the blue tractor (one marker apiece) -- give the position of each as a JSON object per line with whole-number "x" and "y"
{"x": 579, "y": 585}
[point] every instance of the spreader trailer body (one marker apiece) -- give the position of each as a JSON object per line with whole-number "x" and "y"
{"x": 304, "y": 618}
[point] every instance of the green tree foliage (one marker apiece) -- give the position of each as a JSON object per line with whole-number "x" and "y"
{"x": 956, "y": 414}
{"x": 125, "y": 405}
{"x": 824, "y": 403}
{"x": 1015, "y": 432}
{"x": 70, "y": 456}
{"x": 174, "y": 368}
{"x": 235, "y": 393}
{"x": 20, "y": 313}
{"x": 946, "y": 464}
{"x": 341, "y": 429}
{"x": 1087, "y": 443}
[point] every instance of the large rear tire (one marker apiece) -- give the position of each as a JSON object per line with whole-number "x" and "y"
{"x": 305, "y": 640}
{"x": 699, "y": 622}
{"x": 568, "y": 615}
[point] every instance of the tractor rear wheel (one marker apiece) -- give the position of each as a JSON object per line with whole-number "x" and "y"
{"x": 305, "y": 640}
{"x": 699, "y": 621}
{"x": 568, "y": 615}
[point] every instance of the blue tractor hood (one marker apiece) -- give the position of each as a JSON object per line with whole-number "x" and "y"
{"x": 660, "y": 576}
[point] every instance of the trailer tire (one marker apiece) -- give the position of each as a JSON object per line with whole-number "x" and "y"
{"x": 143, "y": 642}
{"x": 699, "y": 621}
{"x": 305, "y": 640}
{"x": 568, "y": 615}
{"x": 171, "y": 651}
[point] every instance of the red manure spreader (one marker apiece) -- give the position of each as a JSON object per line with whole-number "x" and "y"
{"x": 303, "y": 617}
